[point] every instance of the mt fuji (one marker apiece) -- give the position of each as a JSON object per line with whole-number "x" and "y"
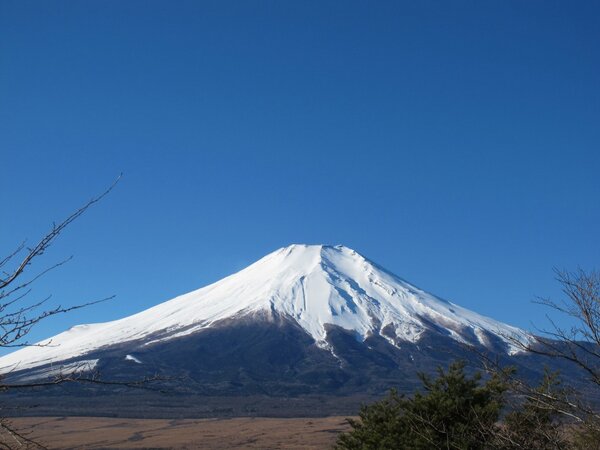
{"x": 312, "y": 286}
{"x": 303, "y": 320}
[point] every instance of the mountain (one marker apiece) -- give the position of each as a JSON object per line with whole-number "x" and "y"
{"x": 312, "y": 286}
{"x": 303, "y": 320}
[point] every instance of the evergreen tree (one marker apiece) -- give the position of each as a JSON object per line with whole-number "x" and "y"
{"x": 535, "y": 424}
{"x": 454, "y": 411}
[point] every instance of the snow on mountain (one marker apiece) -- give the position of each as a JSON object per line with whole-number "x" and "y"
{"x": 314, "y": 285}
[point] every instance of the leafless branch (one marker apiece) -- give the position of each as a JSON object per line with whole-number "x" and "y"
{"x": 17, "y": 321}
{"x": 17, "y": 317}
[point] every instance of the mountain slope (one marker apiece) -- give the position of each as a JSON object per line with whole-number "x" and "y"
{"x": 314, "y": 287}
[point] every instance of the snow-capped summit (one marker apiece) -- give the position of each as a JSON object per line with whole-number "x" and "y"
{"x": 313, "y": 286}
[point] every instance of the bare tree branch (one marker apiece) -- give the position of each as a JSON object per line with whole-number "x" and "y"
{"x": 49, "y": 238}
{"x": 17, "y": 318}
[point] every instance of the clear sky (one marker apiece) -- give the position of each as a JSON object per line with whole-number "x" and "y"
{"x": 454, "y": 143}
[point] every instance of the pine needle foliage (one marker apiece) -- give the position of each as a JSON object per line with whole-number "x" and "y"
{"x": 453, "y": 411}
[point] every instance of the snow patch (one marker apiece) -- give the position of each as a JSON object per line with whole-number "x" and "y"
{"x": 132, "y": 358}
{"x": 62, "y": 370}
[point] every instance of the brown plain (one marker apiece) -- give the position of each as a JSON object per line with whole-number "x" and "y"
{"x": 236, "y": 433}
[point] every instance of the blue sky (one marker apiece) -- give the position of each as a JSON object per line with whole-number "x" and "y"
{"x": 454, "y": 143}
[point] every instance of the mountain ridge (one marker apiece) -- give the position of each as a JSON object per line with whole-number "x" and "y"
{"x": 316, "y": 286}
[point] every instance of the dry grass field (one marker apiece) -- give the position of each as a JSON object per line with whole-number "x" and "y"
{"x": 237, "y": 433}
